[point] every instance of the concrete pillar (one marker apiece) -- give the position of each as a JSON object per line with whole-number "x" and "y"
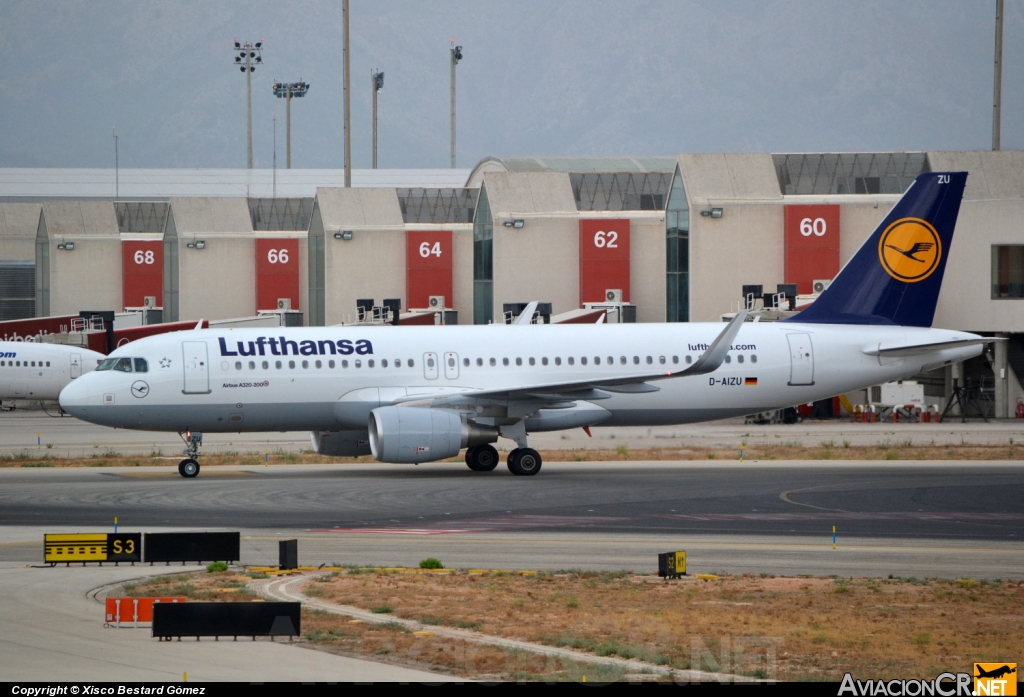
{"x": 1002, "y": 374}
{"x": 947, "y": 385}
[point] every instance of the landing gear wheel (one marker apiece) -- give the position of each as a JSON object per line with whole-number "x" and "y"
{"x": 482, "y": 458}
{"x": 524, "y": 462}
{"x": 188, "y": 469}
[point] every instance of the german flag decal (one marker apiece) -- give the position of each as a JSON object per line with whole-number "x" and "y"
{"x": 750, "y": 381}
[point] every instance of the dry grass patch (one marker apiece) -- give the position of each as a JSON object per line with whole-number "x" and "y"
{"x": 783, "y": 451}
{"x": 816, "y": 628}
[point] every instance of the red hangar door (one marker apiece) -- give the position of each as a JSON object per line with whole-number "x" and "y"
{"x": 604, "y": 260}
{"x": 428, "y": 267}
{"x": 277, "y": 273}
{"x": 142, "y": 272}
{"x": 812, "y": 245}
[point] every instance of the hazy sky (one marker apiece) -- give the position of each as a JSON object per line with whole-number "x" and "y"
{"x": 538, "y": 78}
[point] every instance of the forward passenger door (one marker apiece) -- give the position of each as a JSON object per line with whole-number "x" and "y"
{"x": 197, "y": 368}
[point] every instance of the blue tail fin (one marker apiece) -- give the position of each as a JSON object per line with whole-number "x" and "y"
{"x": 895, "y": 277}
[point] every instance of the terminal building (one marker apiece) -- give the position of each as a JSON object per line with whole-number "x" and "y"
{"x": 658, "y": 239}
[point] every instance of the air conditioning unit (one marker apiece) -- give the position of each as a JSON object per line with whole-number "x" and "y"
{"x": 149, "y": 301}
{"x": 820, "y": 285}
{"x": 613, "y": 295}
{"x": 284, "y": 303}
{"x": 436, "y": 302}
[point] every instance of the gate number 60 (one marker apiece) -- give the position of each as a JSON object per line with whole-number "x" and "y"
{"x": 816, "y": 226}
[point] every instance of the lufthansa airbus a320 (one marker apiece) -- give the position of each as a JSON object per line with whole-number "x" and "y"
{"x": 419, "y": 394}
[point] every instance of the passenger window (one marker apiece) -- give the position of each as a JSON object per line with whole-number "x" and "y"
{"x": 412, "y": 363}
{"x": 753, "y": 358}
{"x": 558, "y": 360}
{"x": 48, "y": 365}
{"x": 465, "y": 362}
{"x": 689, "y": 360}
{"x": 369, "y": 363}
{"x": 305, "y": 364}
{"x": 265, "y": 365}
{"x": 519, "y": 361}
{"x": 728, "y": 358}
{"x": 493, "y": 362}
{"x": 358, "y": 364}
{"x": 384, "y": 363}
{"x": 597, "y": 360}
{"x": 319, "y": 364}
{"x": 675, "y": 359}
{"x": 344, "y": 364}
{"x": 583, "y": 360}
{"x": 533, "y": 361}
{"x": 238, "y": 365}
{"x": 479, "y": 361}
{"x": 739, "y": 359}
{"x": 33, "y": 364}
{"x": 291, "y": 364}
{"x": 636, "y": 360}
{"x": 504, "y": 361}
{"x": 661, "y": 359}
{"x": 330, "y": 364}
{"x": 622, "y": 360}
{"x": 123, "y": 365}
{"x": 430, "y": 362}
{"x": 572, "y": 361}
{"x": 252, "y": 365}
{"x": 398, "y": 362}
{"x": 544, "y": 361}
{"x": 650, "y": 360}
{"x": 277, "y": 364}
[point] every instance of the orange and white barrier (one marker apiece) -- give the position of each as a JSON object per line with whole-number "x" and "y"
{"x": 134, "y": 610}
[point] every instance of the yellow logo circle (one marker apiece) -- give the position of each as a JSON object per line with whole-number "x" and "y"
{"x": 910, "y": 250}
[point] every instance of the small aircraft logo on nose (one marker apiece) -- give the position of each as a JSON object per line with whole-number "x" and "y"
{"x": 165, "y": 362}
{"x": 140, "y": 389}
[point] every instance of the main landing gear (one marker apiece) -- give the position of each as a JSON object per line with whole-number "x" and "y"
{"x": 521, "y": 461}
{"x": 524, "y": 462}
{"x": 189, "y": 467}
{"x": 482, "y": 458}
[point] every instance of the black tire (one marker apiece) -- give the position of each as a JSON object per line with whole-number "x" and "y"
{"x": 482, "y": 458}
{"x": 524, "y": 462}
{"x": 189, "y": 469}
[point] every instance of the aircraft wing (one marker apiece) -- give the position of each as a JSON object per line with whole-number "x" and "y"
{"x": 568, "y": 391}
{"x": 917, "y": 349}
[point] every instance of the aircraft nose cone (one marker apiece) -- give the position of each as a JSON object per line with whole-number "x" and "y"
{"x": 74, "y": 398}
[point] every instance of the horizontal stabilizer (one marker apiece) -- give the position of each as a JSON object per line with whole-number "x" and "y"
{"x": 918, "y": 349}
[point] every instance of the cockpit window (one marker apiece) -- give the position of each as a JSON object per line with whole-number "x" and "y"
{"x": 123, "y": 365}
{"x": 141, "y": 366}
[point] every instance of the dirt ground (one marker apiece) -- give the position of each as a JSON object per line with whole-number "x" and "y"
{"x": 768, "y": 627}
{"x": 827, "y": 450}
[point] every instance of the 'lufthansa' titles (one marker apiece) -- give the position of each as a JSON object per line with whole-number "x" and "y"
{"x": 280, "y": 346}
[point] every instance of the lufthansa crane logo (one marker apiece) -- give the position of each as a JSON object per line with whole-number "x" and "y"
{"x": 910, "y": 250}
{"x": 140, "y": 389}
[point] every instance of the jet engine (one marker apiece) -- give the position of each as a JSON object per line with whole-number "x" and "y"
{"x": 341, "y": 443}
{"x": 416, "y": 434}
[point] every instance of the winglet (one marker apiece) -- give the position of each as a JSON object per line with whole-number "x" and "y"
{"x": 714, "y": 356}
{"x": 200, "y": 325}
{"x": 526, "y": 316}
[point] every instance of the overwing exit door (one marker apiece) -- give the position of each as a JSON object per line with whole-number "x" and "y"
{"x": 196, "y": 366}
{"x": 430, "y": 366}
{"x": 801, "y": 359}
{"x": 451, "y": 365}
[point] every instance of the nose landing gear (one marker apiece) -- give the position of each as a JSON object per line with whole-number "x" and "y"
{"x": 189, "y": 467}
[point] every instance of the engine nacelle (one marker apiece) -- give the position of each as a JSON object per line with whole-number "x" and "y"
{"x": 340, "y": 443}
{"x": 415, "y": 434}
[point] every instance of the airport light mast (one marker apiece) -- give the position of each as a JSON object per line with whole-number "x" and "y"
{"x": 456, "y": 56}
{"x": 377, "y": 83}
{"x": 247, "y": 57}
{"x": 289, "y": 90}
